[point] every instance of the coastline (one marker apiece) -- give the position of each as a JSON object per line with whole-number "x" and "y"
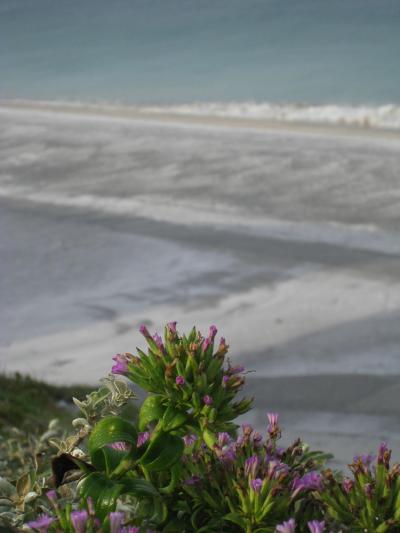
{"x": 126, "y": 112}
{"x": 286, "y": 240}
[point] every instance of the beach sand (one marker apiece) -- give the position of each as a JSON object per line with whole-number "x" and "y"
{"x": 285, "y": 237}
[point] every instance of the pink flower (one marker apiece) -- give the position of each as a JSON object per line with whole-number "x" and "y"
{"x": 310, "y": 481}
{"x": 120, "y": 446}
{"x": 52, "y": 495}
{"x": 42, "y": 523}
{"x": 116, "y": 519}
{"x": 207, "y": 399}
{"x": 286, "y": 527}
{"x": 121, "y": 364}
{"x": 223, "y": 439}
{"x": 79, "y": 519}
{"x": 158, "y": 340}
{"x": 180, "y": 380}
{"x": 144, "y": 331}
{"x": 347, "y": 485}
{"x": 142, "y": 438}
{"x": 273, "y": 422}
{"x": 172, "y": 327}
{"x": 189, "y": 439}
{"x": 316, "y": 527}
{"x": 256, "y": 484}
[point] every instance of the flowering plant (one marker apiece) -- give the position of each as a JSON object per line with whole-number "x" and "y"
{"x": 184, "y": 465}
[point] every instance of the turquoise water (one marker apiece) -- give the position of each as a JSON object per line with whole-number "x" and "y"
{"x": 177, "y": 51}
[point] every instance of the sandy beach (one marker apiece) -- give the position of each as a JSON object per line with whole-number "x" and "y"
{"x": 284, "y": 236}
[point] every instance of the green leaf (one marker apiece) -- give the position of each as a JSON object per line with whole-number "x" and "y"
{"x": 109, "y": 430}
{"x": 151, "y": 410}
{"x": 103, "y": 490}
{"x": 163, "y": 452}
{"x": 173, "y": 419}
{"x": 236, "y": 519}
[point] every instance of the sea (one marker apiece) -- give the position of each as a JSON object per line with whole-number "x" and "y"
{"x": 295, "y": 60}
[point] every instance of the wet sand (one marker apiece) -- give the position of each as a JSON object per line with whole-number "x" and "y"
{"x": 286, "y": 239}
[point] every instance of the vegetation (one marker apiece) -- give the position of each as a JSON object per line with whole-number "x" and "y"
{"x": 183, "y": 465}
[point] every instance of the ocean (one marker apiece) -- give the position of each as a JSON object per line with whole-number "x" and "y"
{"x": 316, "y": 60}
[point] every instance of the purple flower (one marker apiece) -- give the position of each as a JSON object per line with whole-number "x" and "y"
{"x": 368, "y": 490}
{"x": 144, "y": 331}
{"x": 223, "y": 347}
{"x": 180, "y": 380}
{"x": 116, "y": 519}
{"x": 251, "y": 465}
{"x": 384, "y": 454}
{"x": 223, "y": 439}
{"x": 90, "y": 506}
{"x": 286, "y": 527}
{"x": 142, "y": 438}
{"x": 347, "y": 485}
{"x": 172, "y": 327}
{"x": 130, "y": 529}
{"x": 273, "y": 422}
{"x": 121, "y": 364}
{"x": 361, "y": 463}
{"x": 310, "y": 481}
{"x": 257, "y": 439}
{"x": 206, "y": 344}
{"x": 120, "y": 446}
{"x": 194, "y": 480}
{"x": 256, "y": 484}
{"x": 42, "y": 523}
{"x": 275, "y": 468}
{"x": 316, "y": 527}
{"x": 247, "y": 429}
{"x": 238, "y": 369}
{"x": 207, "y": 399}
{"x": 52, "y": 495}
{"x": 189, "y": 439}
{"x": 158, "y": 340}
{"x": 79, "y": 519}
{"x": 213, "y": 331}
{"x": 225, "y": 380}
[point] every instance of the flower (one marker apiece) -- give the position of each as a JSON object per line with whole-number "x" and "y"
{"x": 121, "y": 364}
{"x": 384, "y": 454}
{"x": 131, "y": 529}
{"x": 223, "y": 438}
{"x": 116, "y": 519}
{"x": 158, "y": 340}
{"x": 368, "y": 490}
{"x": 238, "y": 369}
{"x": 142, "y": 438}
{"x": 120, "y": 446}
{"x": 213, "y": 331}
{"x": 52, "y": 495}
{"x": 286, "y": 527}
{"x": 273, "y": 427}
{"x": 172, "y": 327}
{"x": 79, "y": 519}
{"x": 180, "y": 380}
{"x": 42, "y": 523}
{"x": 256, "y": 484}
{"x": 310, "y": 481}
{"x": 144, "y": 331}
{"x": 316, "y": 527}
{"x": 207, "y": 399}
{"x": 347, "y": 485}
{"x": 247, "y": 429}
{"x": 189, "y": 439}
{"x": 251, "y": 465}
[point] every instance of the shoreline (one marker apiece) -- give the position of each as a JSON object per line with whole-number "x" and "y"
{"x": 134, "y": 113}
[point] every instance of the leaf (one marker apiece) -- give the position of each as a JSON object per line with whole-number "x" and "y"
{"x": 102, "y": 490}
{"x": 173, "y": 419}
{"x": 105, "y": 493}
{"x": 151, "y": 410}
{"x": 163, "y": 452}
{"x": 109, "y": 430}
{"x": 236, "y": 519}
{"x": 24, "y": 485}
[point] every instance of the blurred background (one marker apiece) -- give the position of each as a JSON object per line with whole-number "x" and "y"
{"x": 221, "y": 162}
